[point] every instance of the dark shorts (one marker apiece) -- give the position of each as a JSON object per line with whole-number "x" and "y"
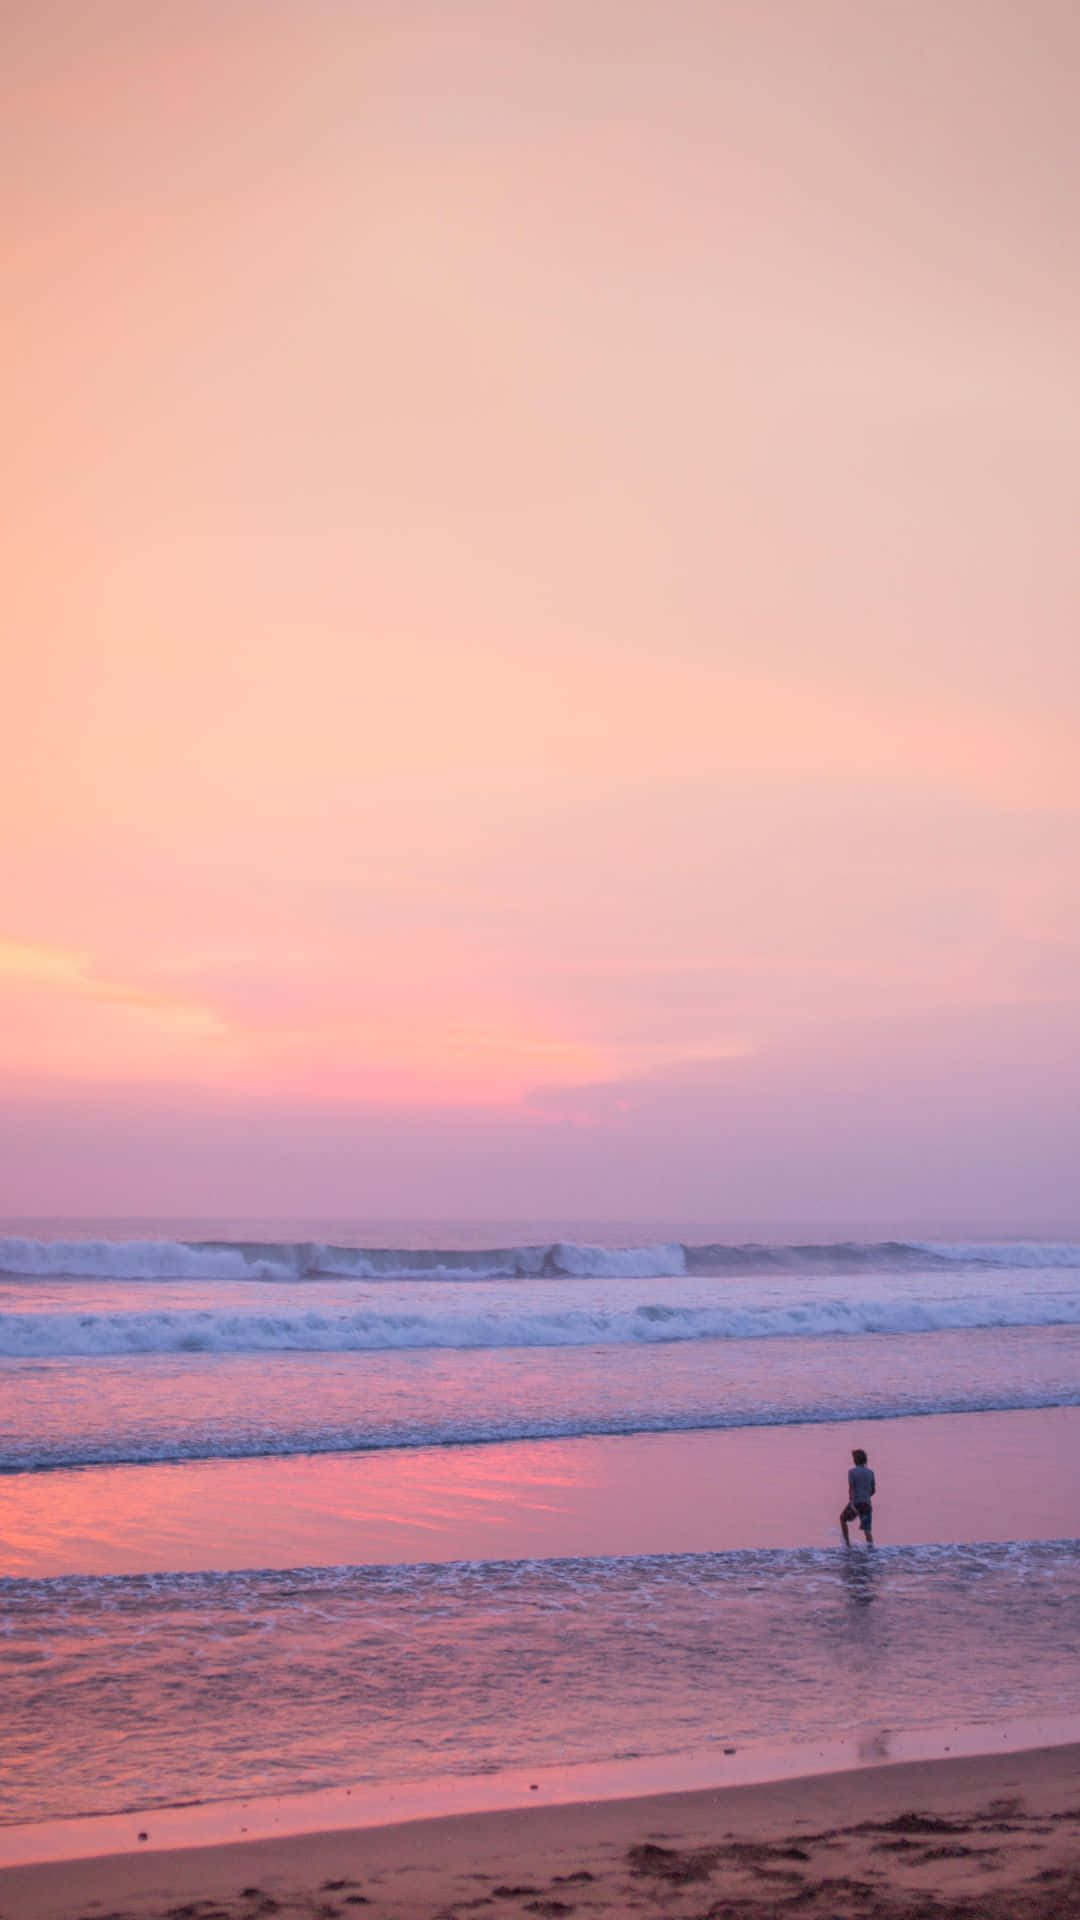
{"x": 863, "y": 1512}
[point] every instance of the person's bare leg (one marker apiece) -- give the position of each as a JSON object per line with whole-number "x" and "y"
{"x": 844, "y": 1531}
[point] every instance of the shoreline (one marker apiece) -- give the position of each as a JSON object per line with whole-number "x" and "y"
{"x": 980, "y": 1828}
{"x": 603, "y": 1496}
{"x": 200, "y": 1826}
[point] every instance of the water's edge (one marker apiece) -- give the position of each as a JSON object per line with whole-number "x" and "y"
{"x": 395, "y": 1803}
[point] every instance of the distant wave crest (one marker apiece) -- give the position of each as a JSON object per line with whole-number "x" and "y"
{"x": 303, "y": 1260}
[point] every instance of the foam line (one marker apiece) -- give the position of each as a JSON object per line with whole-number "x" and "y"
{"x": 298, "y": 1260}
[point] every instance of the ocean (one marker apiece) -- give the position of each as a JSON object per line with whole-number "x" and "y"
{"x": 289, "y": 1511}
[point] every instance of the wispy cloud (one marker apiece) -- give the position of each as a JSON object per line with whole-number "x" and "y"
{"x": 62, "y": 1020}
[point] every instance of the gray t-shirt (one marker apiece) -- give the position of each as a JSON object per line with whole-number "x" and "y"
{"x": 861, "y": 1485}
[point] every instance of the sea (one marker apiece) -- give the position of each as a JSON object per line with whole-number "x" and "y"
{"x": 343, "y": 1506}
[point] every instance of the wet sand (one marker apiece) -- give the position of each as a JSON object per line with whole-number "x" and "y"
{"x": 995, "y": 1836}
{"x": 693, "y": 1492}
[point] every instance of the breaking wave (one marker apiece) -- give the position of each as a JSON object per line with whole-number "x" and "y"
{"x": 305, "y": 1260}
{"x": 53, "y": 1335}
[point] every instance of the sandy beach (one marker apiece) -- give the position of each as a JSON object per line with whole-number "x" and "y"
{"x": 995, "y": 1836}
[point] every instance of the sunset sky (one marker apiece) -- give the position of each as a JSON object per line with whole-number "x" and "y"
{"x": 543, "y": 655}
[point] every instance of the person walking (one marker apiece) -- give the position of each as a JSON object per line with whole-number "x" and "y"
{"x": 862, "y": 1487}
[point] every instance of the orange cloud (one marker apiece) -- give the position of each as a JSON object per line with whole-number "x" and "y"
{"x": 66, "y": 1022}
{"x": 62, "y": 1020}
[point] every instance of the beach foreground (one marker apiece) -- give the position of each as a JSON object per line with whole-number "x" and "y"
{"x": 995, "y": 1836}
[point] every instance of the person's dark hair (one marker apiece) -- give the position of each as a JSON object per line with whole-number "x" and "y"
{"x": 859, "y": 1457}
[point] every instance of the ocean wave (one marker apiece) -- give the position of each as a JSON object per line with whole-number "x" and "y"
{"x": 42, "y": 1454}
{"x": 44, "y": 1335}
{"x": 307, "y": 1260}
{"x": 27, "y": 1258}
{"x": 150, "y": 1260}
{"x": 881, "y": 1256}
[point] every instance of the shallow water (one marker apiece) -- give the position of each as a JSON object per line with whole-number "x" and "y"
{"x": 175, "y": 1406}
{"x": 207, "y": 1686}
{"x": 298, "y": 1404}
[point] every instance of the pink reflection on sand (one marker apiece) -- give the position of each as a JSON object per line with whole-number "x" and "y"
{"x": 649, "y": 1493}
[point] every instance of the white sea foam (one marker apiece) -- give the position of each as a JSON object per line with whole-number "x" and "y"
{"x": 145, "y": 1260}
{"x": 368, "y": 1330}
{"x": 301, "y": 1260}
{"x": 298, "y": 1260}
{"x": 1003, "y": 1253}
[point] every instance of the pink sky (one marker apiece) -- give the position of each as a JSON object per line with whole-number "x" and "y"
{"x": 543, "y": 656}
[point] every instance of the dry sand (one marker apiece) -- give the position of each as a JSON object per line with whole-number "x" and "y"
{"x": 995, "y": 1836}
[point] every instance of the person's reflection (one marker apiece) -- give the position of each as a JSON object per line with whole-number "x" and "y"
{"x": 860, "y": 1573}
{"x": 865, "y": 1637}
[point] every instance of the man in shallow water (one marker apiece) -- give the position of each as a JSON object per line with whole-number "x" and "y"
{"x": 861, "y": 1490}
